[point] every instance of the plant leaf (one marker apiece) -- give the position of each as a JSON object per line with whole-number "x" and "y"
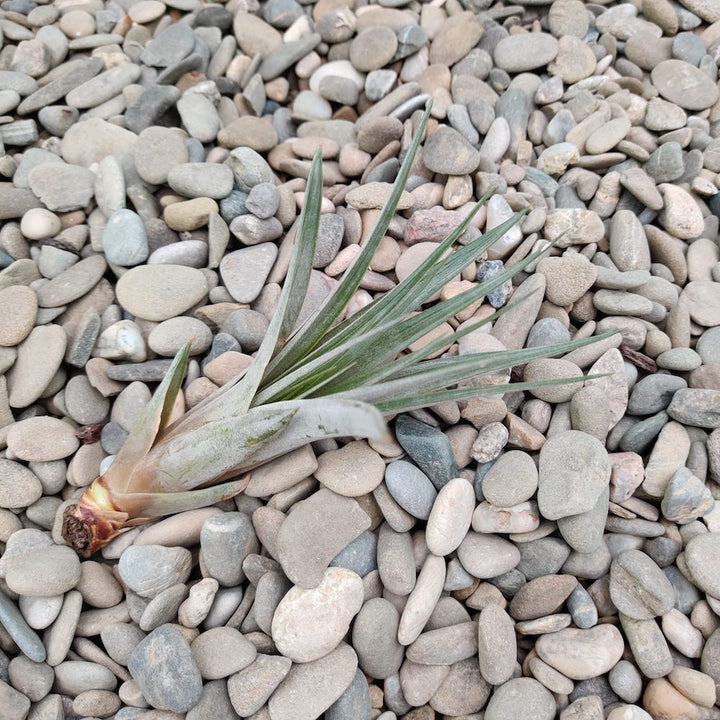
{"x": 190, "y": 460}
{"x": 153, "y": 505}
{"x": 312, "y": 331}
{"x": 152, "y": 421}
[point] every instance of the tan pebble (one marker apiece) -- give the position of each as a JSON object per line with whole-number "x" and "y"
{"x": 42, "y": 438}
{"x": 662, "y": 700}
{"x": 189, "y": 214}
{"x": 77, "y": 23}
{"x": 520, "y": 518}
{"x": 681, "y": 215}
{"x": 146, "y": 11}
{"x": 353, "y": 470}
{"x": 450, "y": 516}
{"x": 18, "y": 310}
{"x": 523, "y": 435}
{"x": 669, "y": 453}
{"x": 694, "y": 685}
{"x": 568, "y": 278}
{"x": 226, "y": 366}
{"x": 422, "y": 599}
{"x": 582, "y": 654}
{"x": 38, "y": 359}
{"x": 309, "y": 623}
{"x": 679, "y": 631}
{"x": 553, "y": 369}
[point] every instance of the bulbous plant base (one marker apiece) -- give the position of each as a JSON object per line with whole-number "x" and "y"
{"x": 92, "y": 522}
{"x": 78, "y": 531}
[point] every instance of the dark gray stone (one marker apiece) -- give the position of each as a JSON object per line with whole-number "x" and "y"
{"x": 360, "y": 555}
{"x": 654, "y": 393}
{"x": 164, "y": 669}
{"x": 428, "y": 447}
{"x": 354, "y": 703}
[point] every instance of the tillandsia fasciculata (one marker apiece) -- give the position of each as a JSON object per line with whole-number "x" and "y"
{"x": 321, "y": 378}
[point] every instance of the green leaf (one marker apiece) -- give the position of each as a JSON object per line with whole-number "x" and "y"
{"x": 306, "y": 337}
{"x": 152, "y": 421}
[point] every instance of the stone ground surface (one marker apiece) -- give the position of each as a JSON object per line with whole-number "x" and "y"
{"x": 530, "y": 555}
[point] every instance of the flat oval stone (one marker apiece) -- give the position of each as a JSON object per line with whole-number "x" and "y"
{"x": 72, "y": 283}
{"x": 541, "y": 596}
{"x": 201, "y": 180}
{"x": 553, "y": 369}
{"x": 222, "y": 651}
{"x": 574, "y": 469}
{"x": 446, "y": 151}
{"x": 308, "y": 624}
{"x": 525, "y": 51}
{"x": 150, "y": 569}
{"x": 245, "y": 271}
{"x": 680, "y": 215}
{"x": 457, "y": 35}
{"x": 226, "y": 539}
{"x": 38, "y": 359}
{"x": 684, "y": 84}
{"x": 568, "y": 278}
{"x": 702, "y": 559}
{"x": 703, "y": 299}
{"x": 44, "y": 572}
{"x": 18, "y": 310}
{"x": 686, "y": 497}
{"x": 421, "y": 601}
{"x": 42, "y": 438}
{"x": 487, "y": 556}
{"x": 497, "y": 646}
{"x": 446, "y": 645}
{"x": 250, "y": 688}
{"x": 411, "y": 488}
{"x": 159, "y": 292}
{"x": 429, "y": 447}
{"x": 163, "y": 666}
{"x": 315, "y": 532}
{"x": 513, "y": 698}
{"x": 19, "y": 486}
{"x": 395, "y": 560}
{"x": 353, "y": 470}
{"x": 73, "y": 677}
{"x": 511, "y": 479}
{"x": 62, "y": 187}
{"x": 124, "y": 240}
{"x": 311, "y": 688}
{"x": 696, "y": 406}
{"x": 648, "y": 645}
{"x": 582, "y": 654}
{"x": 638, "y": 587}
{"x": 450, "y": 517}
{"x": 374, "y": 637}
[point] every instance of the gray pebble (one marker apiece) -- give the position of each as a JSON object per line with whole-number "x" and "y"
{"x": 199, "y": 179}
{"x": 225, "y": 540}
{"x": 150, "y": 569}
{"x": 360, "y": 555}
{"x": 18, "y": 629}
{"x": 410, "y": 488}
{"x": 170, "y": 46}
{"x": 263, "y": 200}
{"x": 164, "y": 668}
{"x": 428, "y": 447}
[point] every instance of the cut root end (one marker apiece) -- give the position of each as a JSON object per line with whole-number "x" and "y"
{"x": 77, "y": 531}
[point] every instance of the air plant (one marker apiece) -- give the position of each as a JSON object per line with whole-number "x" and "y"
{"x": 322, "y": 378}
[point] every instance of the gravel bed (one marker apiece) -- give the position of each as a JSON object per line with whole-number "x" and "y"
{"x": 526, "y": 555}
